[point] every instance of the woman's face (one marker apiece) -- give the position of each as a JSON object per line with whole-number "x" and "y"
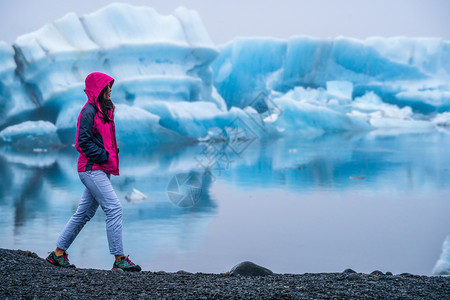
{"x": 108, "y": 91}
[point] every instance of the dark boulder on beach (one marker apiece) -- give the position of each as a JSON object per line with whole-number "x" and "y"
{"x": 247, "y": 268}
{"x": 377, "y": 273}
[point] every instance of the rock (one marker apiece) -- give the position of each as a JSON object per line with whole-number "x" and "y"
{"x": 247, "y": 268}
{"x": 348, "y": 271}
{"x": 377, "y": 273}
{"x": 389, "y": 273}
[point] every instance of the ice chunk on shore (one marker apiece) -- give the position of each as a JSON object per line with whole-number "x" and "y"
{"x": 442, "y": 266}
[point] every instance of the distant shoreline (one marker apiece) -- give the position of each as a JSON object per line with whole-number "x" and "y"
{"x": 26, "y": 276}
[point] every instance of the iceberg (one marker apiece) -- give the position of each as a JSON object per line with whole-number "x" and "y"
{"x": 14, "y": 98}
{"x": 342, "y": 84}
{"x": 390, "y": 67}
{"x": 174, "y": 85}
{"x": 442, "y": 266}
{"x": 36, "y": 136}
{"x": 152, "y": 56}
{"x": 340, "y": 89}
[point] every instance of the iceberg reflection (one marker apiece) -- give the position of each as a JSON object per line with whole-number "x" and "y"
{"x": 40, "y": 191}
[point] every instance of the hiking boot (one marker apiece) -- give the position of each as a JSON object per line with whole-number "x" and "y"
{"x": 60, "y": 261}
{"x": 125, "y": 264}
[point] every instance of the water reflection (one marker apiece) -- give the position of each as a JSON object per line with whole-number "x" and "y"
{"x": 40, "y": 191}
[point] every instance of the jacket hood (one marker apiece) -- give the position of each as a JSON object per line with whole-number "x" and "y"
{"x": 95, "y": 83}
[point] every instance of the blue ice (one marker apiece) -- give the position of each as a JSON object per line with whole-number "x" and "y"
{"x": 180, "y": 85}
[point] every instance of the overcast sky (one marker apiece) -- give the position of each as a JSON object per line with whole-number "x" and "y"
{"x": 226, "y": 19}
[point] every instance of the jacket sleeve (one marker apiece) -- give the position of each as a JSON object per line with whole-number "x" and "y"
{"x": 90, "y": 144}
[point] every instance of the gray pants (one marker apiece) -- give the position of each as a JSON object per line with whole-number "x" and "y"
{"x": 99, "y": 191}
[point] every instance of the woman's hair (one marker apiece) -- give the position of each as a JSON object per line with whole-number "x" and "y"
{"x": 105, "y": 104}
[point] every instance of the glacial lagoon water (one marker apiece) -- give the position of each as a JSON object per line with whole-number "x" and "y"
{"x": 377, "y": 200}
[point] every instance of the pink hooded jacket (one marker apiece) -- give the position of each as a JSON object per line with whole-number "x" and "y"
{"x": 96, "y": 139}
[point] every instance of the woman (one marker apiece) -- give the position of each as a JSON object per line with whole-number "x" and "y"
{"x": 98, "y": 159}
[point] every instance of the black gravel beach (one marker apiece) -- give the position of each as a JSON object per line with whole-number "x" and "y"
{"x": 24, "y": 275}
